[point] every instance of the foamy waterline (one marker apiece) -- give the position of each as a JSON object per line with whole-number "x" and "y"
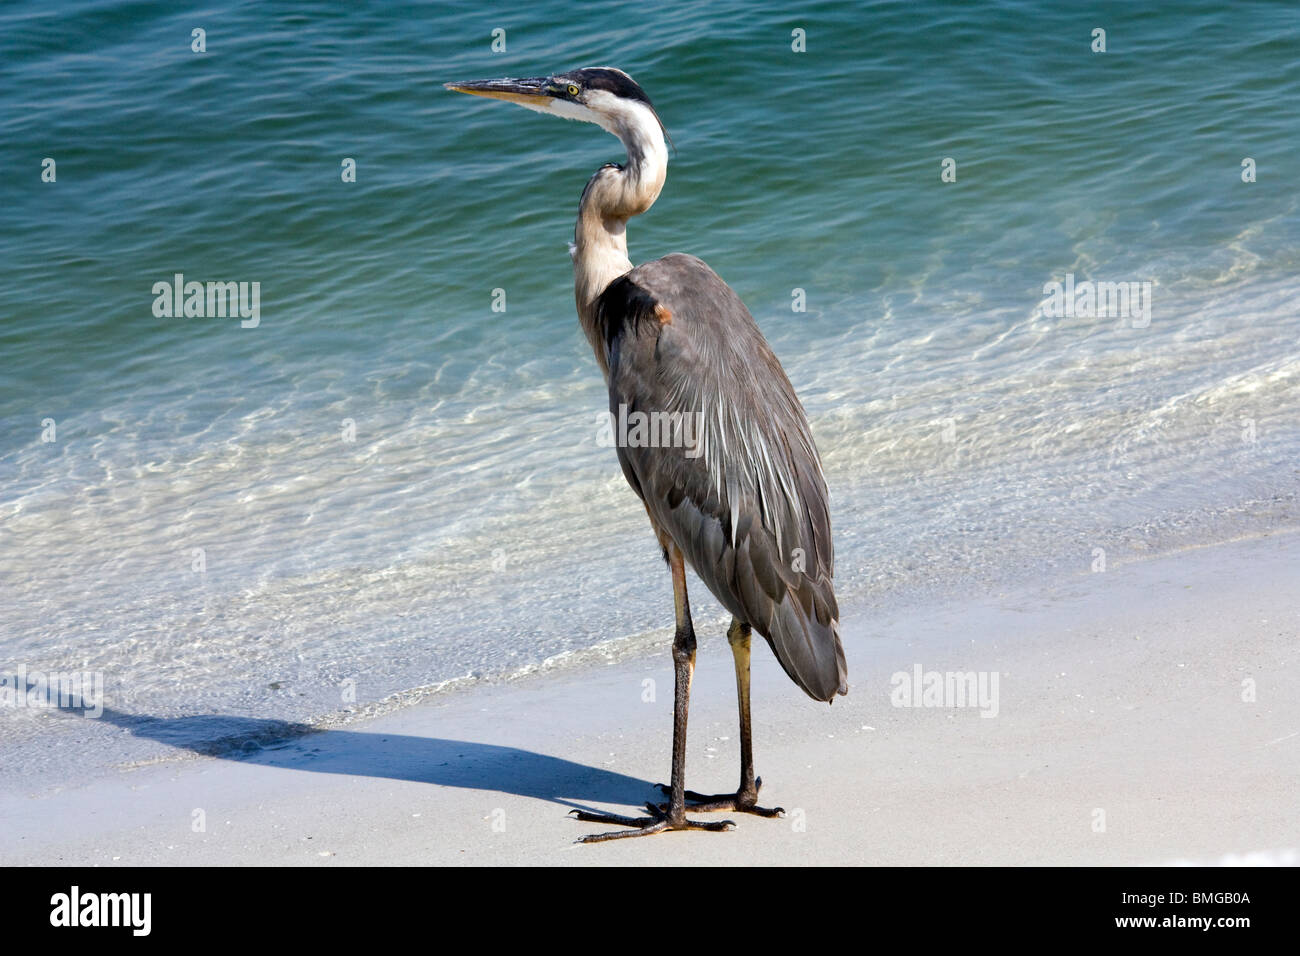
{"x": 262, "y": 562}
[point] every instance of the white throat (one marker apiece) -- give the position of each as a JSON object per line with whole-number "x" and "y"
{"x": 613, "y": 195}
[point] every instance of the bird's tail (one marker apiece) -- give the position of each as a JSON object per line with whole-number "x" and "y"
{"x": 807, "y": 643}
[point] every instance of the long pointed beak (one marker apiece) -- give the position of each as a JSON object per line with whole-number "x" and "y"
{"x": 529, "y": 92}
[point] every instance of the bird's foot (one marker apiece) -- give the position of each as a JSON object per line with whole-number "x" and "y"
{"x": 660, "y": 820}
{"x": 742, "y": 801}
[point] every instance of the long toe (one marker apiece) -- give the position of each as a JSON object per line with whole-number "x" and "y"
{"x": 658, "y": 822}
{"x": 738, "y": 802}
{"x": 590, "y": 816}
{"x": 717, "y": 826}
{"x": 731, "y": 803}
{"x": 655, "y": 826}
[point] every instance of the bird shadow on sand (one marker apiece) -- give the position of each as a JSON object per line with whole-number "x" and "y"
{"x": 447, "y": 763}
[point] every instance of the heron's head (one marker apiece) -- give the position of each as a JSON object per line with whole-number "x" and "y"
{"x": 602, "y": 95}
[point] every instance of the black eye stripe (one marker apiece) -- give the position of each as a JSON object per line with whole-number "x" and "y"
{"x": 609, "y": 80}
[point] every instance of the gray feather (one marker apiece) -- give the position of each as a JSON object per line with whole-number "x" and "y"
{"x": 750, "y": 513}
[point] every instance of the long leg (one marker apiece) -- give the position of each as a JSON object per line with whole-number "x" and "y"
{"x": 673, "y": 816}
{"x": 745, "y": 799}
{"x": 683, "y": 675}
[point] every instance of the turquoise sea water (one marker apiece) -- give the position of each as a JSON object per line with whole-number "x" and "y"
{"x": 473, "y": 527}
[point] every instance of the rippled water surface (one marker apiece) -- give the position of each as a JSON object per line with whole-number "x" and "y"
{"x": 473, "y": 527}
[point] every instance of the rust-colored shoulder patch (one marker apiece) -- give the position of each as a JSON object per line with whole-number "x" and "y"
{"x": 663, "y": 315}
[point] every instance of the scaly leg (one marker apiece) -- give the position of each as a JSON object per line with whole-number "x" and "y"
{"x": 672, "y": 816}
{"x": 745, "y": 799}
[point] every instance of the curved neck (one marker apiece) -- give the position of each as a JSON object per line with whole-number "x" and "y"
{"x": 614, "y": 195}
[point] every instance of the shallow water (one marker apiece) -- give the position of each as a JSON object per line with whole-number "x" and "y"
{"x": 473, "y": 527}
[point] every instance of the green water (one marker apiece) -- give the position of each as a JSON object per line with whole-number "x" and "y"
{"x": 473, "y": 526}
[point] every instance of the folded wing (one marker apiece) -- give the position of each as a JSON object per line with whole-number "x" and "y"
{"x": 739, "y": 486}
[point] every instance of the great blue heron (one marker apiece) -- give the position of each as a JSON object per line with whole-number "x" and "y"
{"x": 744, "y": 502}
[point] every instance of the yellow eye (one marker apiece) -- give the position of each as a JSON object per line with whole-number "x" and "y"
{"x": 573, "y": 90}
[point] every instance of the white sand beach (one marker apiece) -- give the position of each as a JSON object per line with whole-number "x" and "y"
{"x": 1125, "y": 733}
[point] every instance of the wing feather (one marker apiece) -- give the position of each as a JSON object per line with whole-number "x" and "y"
{"x": 747, "y": 505}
